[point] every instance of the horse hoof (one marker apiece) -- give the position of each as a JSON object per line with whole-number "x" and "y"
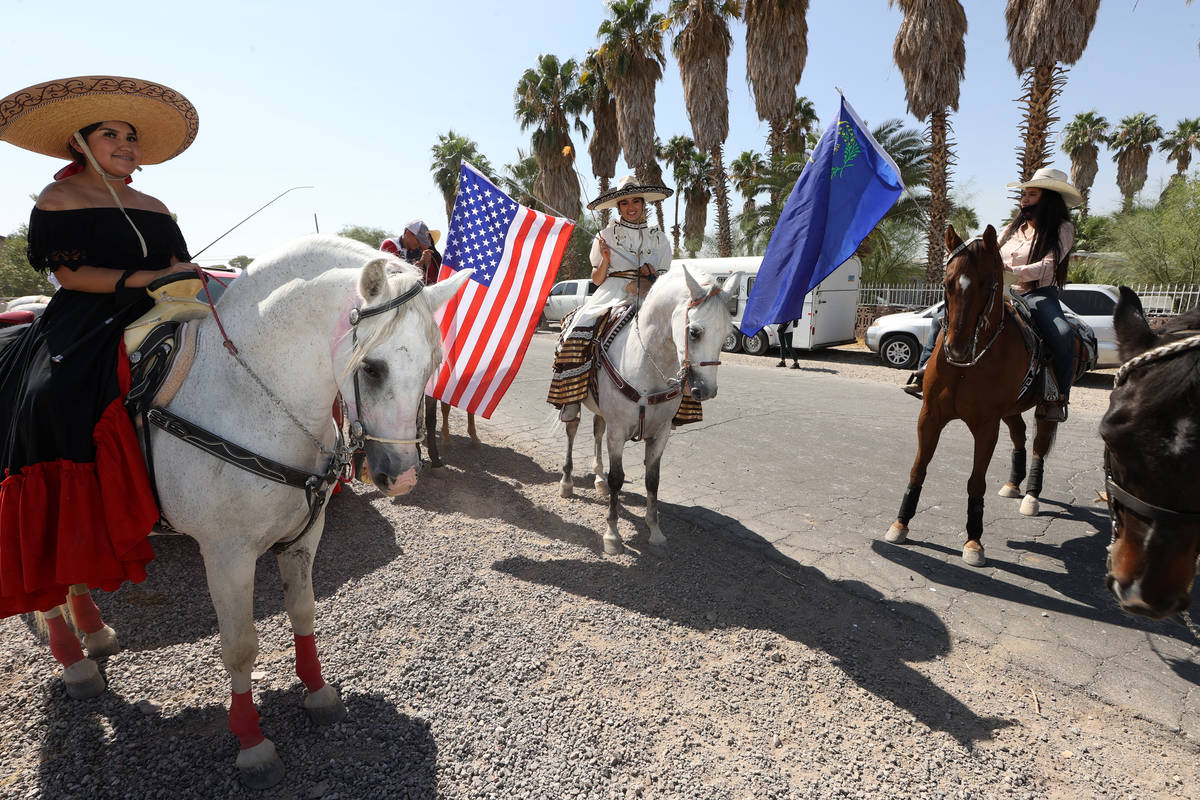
{"x": 601, "y": 487}
{"x": 259, "y": 767}
{"x": 897, "y": 534}
{"x": 83, "y": 679}
{"x": 324, "y": 707}
{"x": 101, "y": 643}
{"x": 613, "y": 547}
{"x": 566, "y": 489}
{"x": 1029, "y": 506}
{"x": 973, "y": 553}
{"x": 1009, "y": 490}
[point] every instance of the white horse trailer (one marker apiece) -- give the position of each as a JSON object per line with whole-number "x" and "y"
{"x": 828, "y": 317}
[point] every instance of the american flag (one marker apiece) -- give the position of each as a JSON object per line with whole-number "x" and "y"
{"x": 515, "y": 252}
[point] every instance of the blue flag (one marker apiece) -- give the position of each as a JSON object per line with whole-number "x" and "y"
{"x": 845, "y": 189}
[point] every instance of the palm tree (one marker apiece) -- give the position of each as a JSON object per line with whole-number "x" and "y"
{"x": 701, "y": 45}
{"x": 1042, "y": 36}
{"x": 677, "y": 152}
{"x": 605, "y": 146}
{"x": 776, "y": 49}
{"x": 448, "y": 154}
{"x": 1132, "y": 140}
{"x": 1178, "y": 144}
{"x": 745, "y": 172}
{"x": 631, "y": 54}
{"x": 518, "y": 179}
{"x": 693, "y": 178}
{"x": 801, "y": 125}
{"x": 547, "y": 98}
{"x": 931, "y": 53}
{"x": 1081, "y": 142}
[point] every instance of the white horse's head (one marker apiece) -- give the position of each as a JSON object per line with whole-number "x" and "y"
{"x": 397, "y": 350}
{"x": 699, "y": 326}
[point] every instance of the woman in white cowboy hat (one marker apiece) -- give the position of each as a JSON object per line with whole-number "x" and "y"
{"x": 74, "y": 483}
{"x": 626, "y": 257}
{"x": 1036, "y": 249}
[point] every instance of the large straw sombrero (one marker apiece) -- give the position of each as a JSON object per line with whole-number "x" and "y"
{"x": 1055, "y": 180}
{"x": 629, "y": 187}
{"x": 43, "y": 117}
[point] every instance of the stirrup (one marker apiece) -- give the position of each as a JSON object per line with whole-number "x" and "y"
{"x": 1052, "y": 412}
{"x": 915, "y": 383}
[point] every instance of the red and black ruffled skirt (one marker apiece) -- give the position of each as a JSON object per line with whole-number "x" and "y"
{"x": 76, "y": 504}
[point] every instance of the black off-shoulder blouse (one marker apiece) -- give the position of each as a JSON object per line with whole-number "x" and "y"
{"x": 102, "y": 237}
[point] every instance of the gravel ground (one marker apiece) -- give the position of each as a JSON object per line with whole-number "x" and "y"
{"x": 485, "y": 648}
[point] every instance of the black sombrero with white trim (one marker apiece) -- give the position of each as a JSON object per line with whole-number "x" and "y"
{"x": 629, "y": 187}
{"x": 42, "y": 118}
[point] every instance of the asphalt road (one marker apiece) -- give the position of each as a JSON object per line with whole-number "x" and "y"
{"x": 807, "y": 467}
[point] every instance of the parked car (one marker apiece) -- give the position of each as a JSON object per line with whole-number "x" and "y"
{"x": 898, "y": 338}
{"x": 565, "y": 297}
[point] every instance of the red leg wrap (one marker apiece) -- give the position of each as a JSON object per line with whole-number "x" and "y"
{"x": 308, "y": 668}
{"x": 243, "y": 720}
{"x": 63, "y": 642}
{"x": 87, "y": 615}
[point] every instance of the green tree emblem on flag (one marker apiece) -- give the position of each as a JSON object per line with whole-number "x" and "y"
{"x": 849, "y": 147}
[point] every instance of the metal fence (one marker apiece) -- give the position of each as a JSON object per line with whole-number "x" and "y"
{"x": 1158, "y": 300}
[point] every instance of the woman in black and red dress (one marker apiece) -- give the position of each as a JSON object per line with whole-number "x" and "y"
{"x": 76, "y": 506}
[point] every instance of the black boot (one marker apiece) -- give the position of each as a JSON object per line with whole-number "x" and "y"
{"x": 915, "y": 384}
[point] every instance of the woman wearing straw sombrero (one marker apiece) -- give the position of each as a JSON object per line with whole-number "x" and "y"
{"x": 74, "y": 485}
{"x": 626, "y": 257}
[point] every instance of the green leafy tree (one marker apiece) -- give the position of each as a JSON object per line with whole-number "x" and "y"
{"x": 1161, "y": 244}
{"x": 1179, "y": 145}
{"x": 241, "y": 262}
{"x": 776, "y": 51}
{"x": 518, "y": 179}
{"x": 605, "y": 145}
{"x": 364, "y": 234}
{"x": 17, "y": 277}
{"x": 676, "y": 152}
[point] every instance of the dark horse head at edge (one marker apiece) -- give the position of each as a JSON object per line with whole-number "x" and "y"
{"x": 1151, "y": 435}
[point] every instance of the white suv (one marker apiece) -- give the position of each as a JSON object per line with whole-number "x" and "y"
{"x": 898, "y": 338}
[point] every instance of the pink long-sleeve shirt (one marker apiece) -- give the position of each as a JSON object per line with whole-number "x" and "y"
{"x": 1015, "y": 251}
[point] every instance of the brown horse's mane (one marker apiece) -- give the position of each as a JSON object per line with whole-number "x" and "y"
{"x": 1188, "y": 321}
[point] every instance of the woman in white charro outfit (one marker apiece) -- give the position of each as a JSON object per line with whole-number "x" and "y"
{"x": 626, "y": 258}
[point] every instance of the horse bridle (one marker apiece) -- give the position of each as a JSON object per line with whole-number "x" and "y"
{"x": 994, "y": 291}
{"x": 1120, "y": 498}
{"x": 685, "y": 368}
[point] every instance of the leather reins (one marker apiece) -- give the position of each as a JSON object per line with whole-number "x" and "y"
{"x": 995, "y": 291}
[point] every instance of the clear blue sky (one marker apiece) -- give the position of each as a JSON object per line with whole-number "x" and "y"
{"x": 349, "y": 97}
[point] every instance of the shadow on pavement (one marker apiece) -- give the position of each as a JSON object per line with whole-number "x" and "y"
{"x": 849, "y": 620}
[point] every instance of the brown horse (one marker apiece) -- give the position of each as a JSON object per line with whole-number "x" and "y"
{"x": 431, "y": 442}
{"x": 1151, "y": 435}
{"x": 976, "y": 374}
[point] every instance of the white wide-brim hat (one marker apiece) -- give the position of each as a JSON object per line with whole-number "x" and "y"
{"x": 628, "y": 186}
{"x": 1056, "y": 181}
{"x": 42, "y": 118}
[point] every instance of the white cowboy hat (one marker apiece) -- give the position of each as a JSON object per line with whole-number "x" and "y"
{"x": 425, "y": 235}
{"x": 42, "y": 118}
{"x": 1056, "y": 181}
{"x": 628, "y": 186}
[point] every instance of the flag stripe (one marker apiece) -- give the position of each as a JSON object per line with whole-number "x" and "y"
{"x": 486, "y": 328}
{"x": 498, "y": 390}
{"x": 502, "y": 322}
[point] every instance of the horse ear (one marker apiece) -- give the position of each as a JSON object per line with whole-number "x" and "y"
{"x": 373, "y": 281}
{"x": 1129, "y": 322}
{"x": 989, "y": 237}
{"x": 440, "y": 293}
{"x": 953, "y": 240}
{"x": 696, "y": 290}
{"x": 731, "y": 289}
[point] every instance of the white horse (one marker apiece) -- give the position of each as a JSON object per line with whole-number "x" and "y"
{"x": 673, "y": 344}
{"x": 302, "y": 323}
